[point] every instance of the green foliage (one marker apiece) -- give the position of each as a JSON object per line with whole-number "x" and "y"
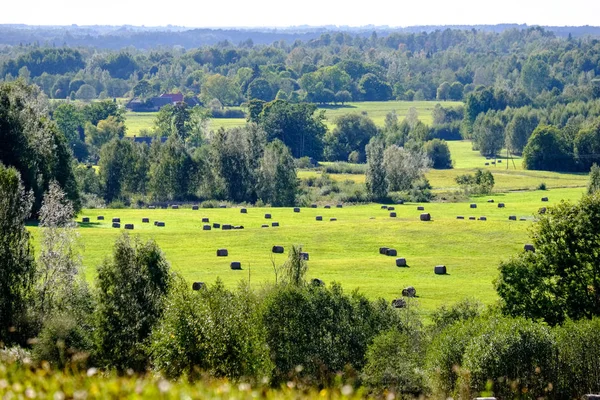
{"x": 439, "y": 153}
{"x": 33, "y": 144}
{"x": 488, "y": 134}
{"x": 211, "y": 331}
{"x": 340, "y": 329}
{"x": 132, "y": 287}
{"x": 116, "y": 163}
{"x": 520, "y": 128}
{"x": 461, "y": 311}
{"x": 587, "y": 146}
{"x": 17, "y": 263}
{"x": 403, "y": 167}
{"x": 294, "y": 269}
{"x": 395, "y": 364}
{"x": 173, "y": 172}
{"x": 578, "y": 345}
{"x": 594, "y": 183}
{"x": 277, "y": 180}
{"x": 376, "y": 180}
{"x": 482, "y": 182}
{"x": 352, "y": 133}
{"x": 547, "y": 149}
{"x": 559, "y": 280}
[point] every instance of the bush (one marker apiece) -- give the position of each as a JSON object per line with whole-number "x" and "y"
{"x": 214, "y": 331}
{"x": 439, "y": 153}
{"x": 482, "y": 182}
{"x": 394, "y": 364}
{"x": 464, "y": 310}
{"x": 345, "y": 168}
{"x": 578, "y": 369}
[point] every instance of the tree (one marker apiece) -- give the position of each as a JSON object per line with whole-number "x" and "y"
{"x": 456, "y": 91}
{"x": 173, "y": 172}
{"x": 535, "y": 75}
{"x": 298, "y": 126}
{"x": 86, "y": 92}
{"x": 520, "y": 128}
{"x": 352, "y": 133}
{"x": 70, "y": 122}
{"x": 59, "y": 265}
{"x": 16, "y": 263}
{"x": 376, "y": 179}
{"x": 116, "y": 164}
{"x": 594, "y": 183}
{"x": 132, "y": 288}
{"x": 33, "y": 144}
{"x": 343, "y": 96}
{"x": 373, "y": 88}
{"x": 439, "y": 153}
{"x": 587, "y": 146}
{"x": 548, "y": 150}
{"x": 488, "y": 134}
{"x": 260, "y": 89}
{"x": 220, "y": 87}
{"x": 561, "y": 279}
{"x": 107, "y": 130}
{"x": 481, "y": 182}
{"x": 443, "y": 91}
{"x": 404, "y": 167}
{"x": 189, "y": 124}
{"x": 277, "y": 180}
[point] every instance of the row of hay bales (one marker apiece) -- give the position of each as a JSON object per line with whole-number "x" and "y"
{"x": 116, "y": 222}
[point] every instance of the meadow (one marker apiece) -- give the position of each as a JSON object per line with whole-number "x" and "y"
{"x": 376, "y": 110}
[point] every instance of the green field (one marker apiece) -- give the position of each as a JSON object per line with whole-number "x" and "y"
{"x": 376, "y": 110}
{"x": 345, "y": 250}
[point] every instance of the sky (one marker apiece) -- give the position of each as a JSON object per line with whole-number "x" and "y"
{"x": 273, "y": 13}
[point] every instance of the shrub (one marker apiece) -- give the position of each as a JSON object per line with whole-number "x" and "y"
{"x": 345, "y": 168}
{"x": 439, "y": 153}
{"x": 214, "y": 331}
{"x": 464, "y": 310}
{"x": 482, "y": 182}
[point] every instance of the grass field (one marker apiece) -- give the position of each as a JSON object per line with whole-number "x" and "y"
{"x": 376, "y": 110}
{"x": 344, "y": 251}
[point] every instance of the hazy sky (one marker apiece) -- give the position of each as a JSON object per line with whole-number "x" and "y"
{"x": 229, "y": 13}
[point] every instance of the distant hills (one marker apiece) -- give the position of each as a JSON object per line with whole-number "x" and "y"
{"x": 118, "y": 37}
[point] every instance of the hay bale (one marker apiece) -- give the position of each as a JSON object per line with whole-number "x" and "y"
{"x": 151, "y": 207}
{"x": 392, "y": 215}
{"x": 129, "y": 226}
{"x": 195, "y": 207}
{"x": 319, "y": 218}
{"x": 100, "y": 218}
{"x": 238, "y": 227}
{"x": 339, "y": 205}
{"x": 175, "y": 207}
{"x": 222, "y": 205}
{"x": 409, "y": 291}
{"x": 391, "y": 208}
{"x": 116, "y": 225}
{"x": 206, "y": 228}
{"x": 522, "y": 219}
{"x": 500, "y": 205}
{"x": 275, "y": 224}
{"x": 155, "y": 223}
{"x": 333, "y": 219}
{"x": 512, "y": 217}
{"x": 198, "y": 285}
{"x": 384, "y": 207}
{"x": 398, "y": 303}
{"x": 529, "y": 247}
{"x": 145, "y": 220}
{"x": 401, "y": 262}
{"x": 472, "y": 218}
{"x": 243, "y": 211}
{"x": 482, "y": 218}
{"x": 543, "y": 210}
{"x": 277, "y": 249}
{"x": 304, "y": 256}
{"x": 267, "y": 216}
{"x": 222, "y": 253}
{"x": 235, "y": 265}
{"x": 490, "y": 200}
{"x": 499, "y": 161}
{"x": 391, "y": 253}
{"x": 439, "y": 270}
{"x": 296, "y": 209}
{"x": 473, "y": 205}
{"x": 205, "y": 219}
{"x": 216, "y": 225}
{"x": 487, "y": 163}
{"x": 327, "y": 206}
{"x": 420, "y": 208}
{"x": 493, "y": 162}
{"x": 317, "y": 282}
{"x": 160, "y": 224}
{"x": 116, "y": 220}
{"x": 425, "y": 217}
{"x": 313, "y": 206}
{"x": 264, "y": 226}
{"x": 383, "y": 250}
{"x": 85, "y": 220}
{"x": 544, "y": 199}
{"x": 460, "y": 217}
{"x": 226, "y": 227}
